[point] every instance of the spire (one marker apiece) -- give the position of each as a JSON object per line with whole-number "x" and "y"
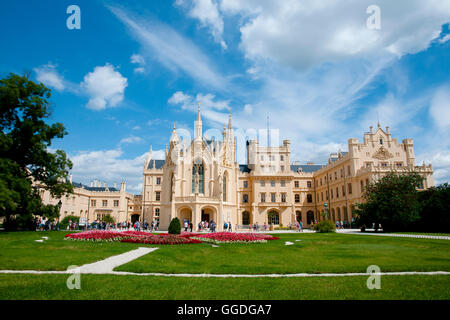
{"x": 230, "y": 126}
{"x": 198, "y": 125}
{"x": 199, "y": 118}
{"x": 149, "y": 157}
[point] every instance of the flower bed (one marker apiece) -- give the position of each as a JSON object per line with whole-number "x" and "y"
{"x": 130, "y": 236}
{"x": 231, "y": 237}
{"x": 161, "y": 239}
{"x": 96, "y": 235}
{"x": 165, "y": 238}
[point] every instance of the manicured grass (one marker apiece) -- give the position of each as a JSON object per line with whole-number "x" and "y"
{"x": 128, "y": 287}
{"x": 424, "y": 233}
{"x": 315, "y": 253}
{"x": 19, "y": 251}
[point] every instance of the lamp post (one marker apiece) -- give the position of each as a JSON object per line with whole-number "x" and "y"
{"x": 325, "y": 212}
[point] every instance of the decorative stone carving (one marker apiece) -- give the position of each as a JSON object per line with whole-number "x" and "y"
{"x": 382, "y": 154}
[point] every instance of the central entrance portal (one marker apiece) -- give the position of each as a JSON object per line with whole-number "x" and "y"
{"x": 208, "y": 214}
{"x": 205, "y": 216}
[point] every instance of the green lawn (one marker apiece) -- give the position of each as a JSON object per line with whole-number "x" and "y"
{"x": 19, "y": 251}
{"x": 131, "y": 287}
{"x": 315, "y": 253}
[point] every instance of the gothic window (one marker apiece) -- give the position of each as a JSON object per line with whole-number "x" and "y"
{"x": 198, "y": 168}
{"x": 224, "y": 188}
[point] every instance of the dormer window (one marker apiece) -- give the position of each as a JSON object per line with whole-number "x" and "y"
{"x": 381, "y": 141}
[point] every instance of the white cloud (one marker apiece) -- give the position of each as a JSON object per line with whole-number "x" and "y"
{"x": 49, "y": 76}
{"x": 137, "y": 59}
{"x": 445, "y": 38}
{"x": 211, "y": 108}
{"x": 440, "y": 107}
{"x": 441, "y": 164}
{"x": 140, "y": 61}
{"x": 174, "y": 51}
{"x": 139, "y": 70}
{"x": 105, "y": 87}
{"x": 207, "y": 12}
{"x": 111, "y": 167}
{"x": 131, "y": 139}
{"x": 307, "y": 33}
{"x": 248, "y": 109}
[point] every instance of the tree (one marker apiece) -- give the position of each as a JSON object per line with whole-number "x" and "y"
{"x": 107, "y": 218}
{"x": 175, "y": 226}
{"x": 392, "y": 202}
{"x": 26, "y": 163}
{"x": 435, "y": 209}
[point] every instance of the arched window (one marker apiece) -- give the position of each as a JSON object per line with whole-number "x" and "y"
{"x": 297, "y": 197}
{"x": 309, "y": 217}
{"x": 245, "y": 218}
{"x": 273, "y": 217}
{"x": 198, "y": 168}
{"x": 298, "y": 216}
{"x": 224, "y": 191}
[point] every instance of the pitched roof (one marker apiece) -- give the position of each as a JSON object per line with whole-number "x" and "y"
{"x": 309, "y": 168}
{"x": 97, "y": 189}
{"x": 158, "y": 164}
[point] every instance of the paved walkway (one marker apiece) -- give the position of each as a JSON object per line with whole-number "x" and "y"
{"x": 108, "y": 265}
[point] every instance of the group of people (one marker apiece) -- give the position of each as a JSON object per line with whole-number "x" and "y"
{"x": 207, "y": 225}
{"x": 45, "y": 224}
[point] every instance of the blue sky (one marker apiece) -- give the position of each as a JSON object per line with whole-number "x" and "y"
{"x": 314, "y": 67}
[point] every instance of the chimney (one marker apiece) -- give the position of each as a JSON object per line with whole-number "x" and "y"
{"x": 91, "y": 184}
{"x": 104, "y": 184}
{"x": 123, "y": 186}
{"x": 115, "y": 185}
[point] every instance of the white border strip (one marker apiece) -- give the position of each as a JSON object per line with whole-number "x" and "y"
{"x": 209, "y": 275}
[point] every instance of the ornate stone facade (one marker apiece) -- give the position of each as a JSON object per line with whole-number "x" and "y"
{"x": 203, "y": 182}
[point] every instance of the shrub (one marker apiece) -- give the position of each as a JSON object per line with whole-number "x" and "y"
{"x": 175, "y": 226}
{"x": 325, "y": 226}
{"x": 107, "y": 218}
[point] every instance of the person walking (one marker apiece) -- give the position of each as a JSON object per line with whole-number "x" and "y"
{"x": 186, "y": 225}
{"x": 229, "y": 226}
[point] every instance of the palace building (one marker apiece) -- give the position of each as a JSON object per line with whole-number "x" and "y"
{"x": 201, "y": 181}
{"x": 95, "y": 201}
